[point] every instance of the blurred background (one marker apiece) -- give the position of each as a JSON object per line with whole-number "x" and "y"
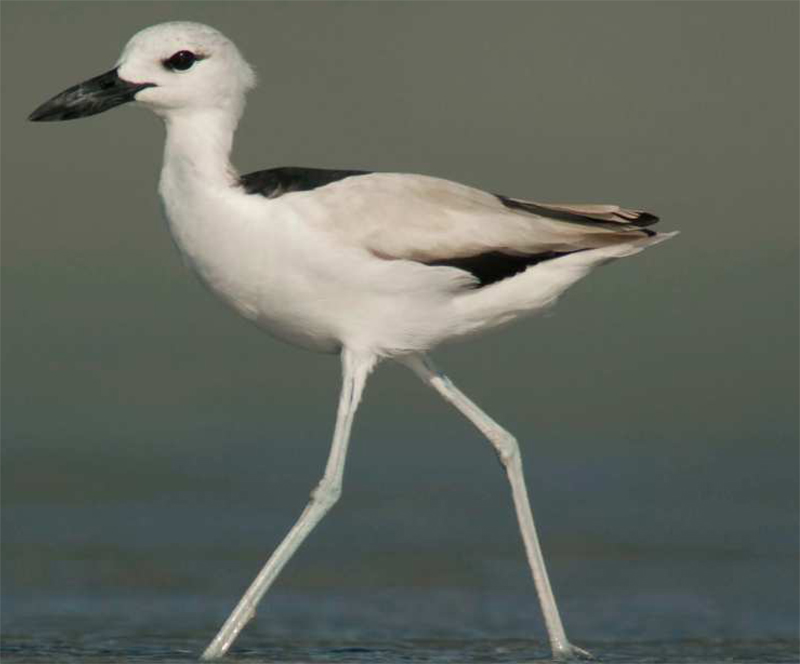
{"x": 156, "y": 447}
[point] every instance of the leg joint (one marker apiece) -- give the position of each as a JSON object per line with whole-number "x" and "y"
{"x": 327, "y": 493}
{"x": 506, "y": 446}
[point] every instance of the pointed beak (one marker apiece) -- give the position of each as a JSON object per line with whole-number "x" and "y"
{"x": 94, "y": 96}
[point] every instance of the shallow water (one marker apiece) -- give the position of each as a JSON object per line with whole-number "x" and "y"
{"x": 139, "y": 582}
{"x": 415, "y": 651}
{"x": 187, "y": 648}
{"x": 431, "y": 575}
{"x": 390, "y": 626}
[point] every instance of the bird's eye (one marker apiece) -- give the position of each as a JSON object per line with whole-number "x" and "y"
{"x": 180, "y": 61}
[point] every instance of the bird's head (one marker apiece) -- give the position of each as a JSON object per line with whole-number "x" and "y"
{"x": 171, "y": 68}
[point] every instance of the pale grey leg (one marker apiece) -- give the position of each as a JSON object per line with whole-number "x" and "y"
{"x": 508, "y": 450}
{"x": 354, "y": 374}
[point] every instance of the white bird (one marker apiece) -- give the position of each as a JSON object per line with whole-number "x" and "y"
{"x": 371, "y": 266}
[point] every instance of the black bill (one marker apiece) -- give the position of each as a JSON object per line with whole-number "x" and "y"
{"x": 94, "y": 96}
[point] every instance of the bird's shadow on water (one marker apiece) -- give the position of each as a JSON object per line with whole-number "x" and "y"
{"x": 112, "y": 651}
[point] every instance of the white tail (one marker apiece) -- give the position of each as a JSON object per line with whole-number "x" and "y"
{"x": 540, "y": 285}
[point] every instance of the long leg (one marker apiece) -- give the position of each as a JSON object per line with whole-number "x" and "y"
{"x": 354, "y": 374}
{"x": 508, "y": 450}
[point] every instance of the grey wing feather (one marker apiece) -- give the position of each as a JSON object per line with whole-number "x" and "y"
{"x": 431, "y": 220}
{"x": 586, "y": 213}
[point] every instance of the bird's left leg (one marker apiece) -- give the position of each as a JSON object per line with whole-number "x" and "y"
{"x": 508, "y": 451}
{"x": 355, "y": 369}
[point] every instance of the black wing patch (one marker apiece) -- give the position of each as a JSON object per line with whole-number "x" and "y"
{"x": 275, "y": 182}
{"x": 495, "y": 266}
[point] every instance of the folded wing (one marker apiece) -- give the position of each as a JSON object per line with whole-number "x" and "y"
{"x": 439, "y": 222}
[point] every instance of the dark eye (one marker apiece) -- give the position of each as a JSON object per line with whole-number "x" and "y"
{"x": 181, "y": 61}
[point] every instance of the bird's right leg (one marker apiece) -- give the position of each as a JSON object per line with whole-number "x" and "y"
{"x": 355, "y": 369}
{"x": 508, "y": 451}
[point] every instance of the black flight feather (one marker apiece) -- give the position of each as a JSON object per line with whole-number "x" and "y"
{"x": 637, "y": 218}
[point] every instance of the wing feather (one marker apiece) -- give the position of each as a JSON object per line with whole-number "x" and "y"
{"x": 430, "y": 220}
{"x": 583, "y": 212}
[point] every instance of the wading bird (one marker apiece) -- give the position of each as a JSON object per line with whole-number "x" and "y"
{"x": 369, "y": 265}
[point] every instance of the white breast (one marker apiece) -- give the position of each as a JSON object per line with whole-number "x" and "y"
{"x": 238, "y": 250}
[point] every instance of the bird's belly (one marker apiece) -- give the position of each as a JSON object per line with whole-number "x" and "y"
{"x": 254, "y": 284}
{"x": 290, "y": 314}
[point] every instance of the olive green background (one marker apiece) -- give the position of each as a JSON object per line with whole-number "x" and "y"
{"x": 657, "y": 406}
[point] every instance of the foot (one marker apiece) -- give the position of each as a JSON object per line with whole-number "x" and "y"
{"x": 569, "y": 652}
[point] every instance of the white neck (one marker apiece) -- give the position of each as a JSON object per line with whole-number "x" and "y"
{"x": 198, "y": 147}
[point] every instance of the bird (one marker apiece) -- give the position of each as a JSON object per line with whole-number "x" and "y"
{"x": 372, "y": 266}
